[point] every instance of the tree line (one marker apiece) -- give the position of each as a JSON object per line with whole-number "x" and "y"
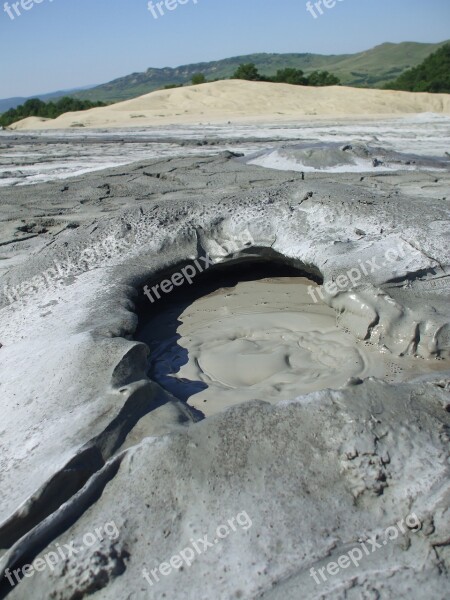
{"x": 292, "y": 76}
{"x": 249, "y": 72}
{"x": 433, "y": 75}
{"x": 50, "y": 110}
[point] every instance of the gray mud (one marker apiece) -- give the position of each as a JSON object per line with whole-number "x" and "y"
{"x": 351, "y": 157}
{"x": 88, "y": 438}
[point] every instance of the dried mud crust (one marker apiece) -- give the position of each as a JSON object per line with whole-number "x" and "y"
{"x": 134, "y": 454}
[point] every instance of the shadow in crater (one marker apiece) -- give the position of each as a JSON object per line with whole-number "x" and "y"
{"x": 159, "y": 320}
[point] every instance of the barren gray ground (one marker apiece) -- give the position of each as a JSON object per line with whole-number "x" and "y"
{"x": 86, "y": 438}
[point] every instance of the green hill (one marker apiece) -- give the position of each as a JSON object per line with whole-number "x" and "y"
{"x": 433, "y": 75}
{"x": 372, "y": 68}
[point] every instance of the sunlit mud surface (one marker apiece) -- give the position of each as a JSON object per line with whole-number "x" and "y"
{"x": 261, "y": 339}
{"x": 34, "y": 157}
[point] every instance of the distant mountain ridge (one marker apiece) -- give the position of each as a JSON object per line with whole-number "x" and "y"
{"x": 371, "y": 68}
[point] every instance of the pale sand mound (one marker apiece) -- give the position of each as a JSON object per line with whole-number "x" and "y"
{"x": 243, "y": 101}
{"x": 32, "y": 123}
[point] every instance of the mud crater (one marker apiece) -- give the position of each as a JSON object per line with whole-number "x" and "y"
{"x": 251, "y": 329}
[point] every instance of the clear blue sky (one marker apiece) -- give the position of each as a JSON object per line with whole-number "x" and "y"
{"x": 61, "y": 44}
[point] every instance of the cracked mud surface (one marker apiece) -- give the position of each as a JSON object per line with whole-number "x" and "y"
{"x": 86, "y": 437}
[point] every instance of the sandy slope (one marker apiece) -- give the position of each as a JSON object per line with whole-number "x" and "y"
{"x": 244, "y": 100}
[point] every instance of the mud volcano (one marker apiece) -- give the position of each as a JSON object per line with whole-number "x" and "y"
{"x": 102, "y": 428}
{"x": 257, "y": 331}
